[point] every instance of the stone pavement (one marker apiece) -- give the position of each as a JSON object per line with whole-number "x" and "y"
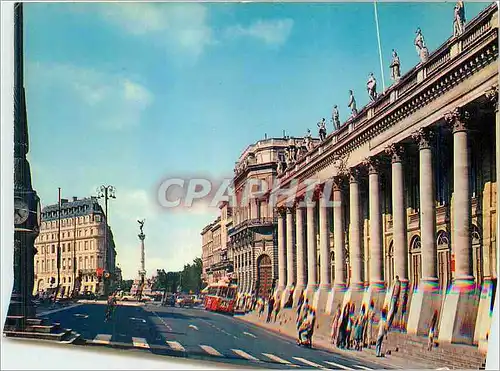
{"x": 285, "y": 325}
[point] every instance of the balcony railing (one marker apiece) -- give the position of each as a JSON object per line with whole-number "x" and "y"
{"x": 249, "y": 223}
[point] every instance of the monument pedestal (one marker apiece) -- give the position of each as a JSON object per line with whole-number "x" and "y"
{"x": 426, "y": 300}
{"x": 459, "y": 313}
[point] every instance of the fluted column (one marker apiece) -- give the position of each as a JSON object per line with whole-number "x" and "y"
{"x": 338, "y": 234}
{"x": 301, "y": 252}
{"x": 355, "y": 250}
{"x": 312, "y": 274}
{"x": 281, "y": 252}
{"x": 427, "y": 210}
{"x": 399, "y": 219}
{"x": 376, "y": 265}
{"x": 290, "y": 247}
{"x": 324, "y": 245}
{"x": 458, "y": 119}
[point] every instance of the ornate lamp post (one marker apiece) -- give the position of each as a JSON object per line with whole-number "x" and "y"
{"x": 107, "y": 192}
{"x": 26, "y": 202}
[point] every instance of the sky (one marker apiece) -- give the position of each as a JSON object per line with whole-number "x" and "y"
{"x": 131, "y": 94}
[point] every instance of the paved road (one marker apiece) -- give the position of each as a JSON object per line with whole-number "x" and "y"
{"x": 198, "y": 334}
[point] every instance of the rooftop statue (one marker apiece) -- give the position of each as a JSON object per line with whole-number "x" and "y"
{"x": 352, "y": 104}
{"x": 371, "y": 87}
{"x": 322, "y": 129}
{"x": 335, "y": 118}
{"x": 141, "y": 225}
{"x": 422, "y": 50}
{"x": 308, "y": 140}
{"x": 395, "y": 67}
{"x": 459, "y": 19}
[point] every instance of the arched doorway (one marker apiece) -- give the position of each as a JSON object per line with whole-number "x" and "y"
{"x": 416, "y": 261}
{"x": 264, "y": 275}
{"x": 444, "y": 260}
{"x": 390, "y": 264}
{"x": 40, "y": 285}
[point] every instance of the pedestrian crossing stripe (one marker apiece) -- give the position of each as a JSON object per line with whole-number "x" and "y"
{"x": 363, "y": 367}
{"x": 244, "y": 355}
{"x": 210, "y": 350}
{"x": 309, "y": 363}
{"x": 338, "y": 366}
{"x": 102, "y": 339}
{"x": 176, "y": 346}
{"x": 140, "y": 343}
{"x": 278, "y": 359}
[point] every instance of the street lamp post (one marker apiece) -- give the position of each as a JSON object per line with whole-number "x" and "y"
{"x": 107, "y": 192}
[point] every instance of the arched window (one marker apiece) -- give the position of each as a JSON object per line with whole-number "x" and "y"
{"x": 443, "y": 238}
{"x": 477, "y": 253}
{"x": 390, "y": 264}
{"x": 416, "y": 261}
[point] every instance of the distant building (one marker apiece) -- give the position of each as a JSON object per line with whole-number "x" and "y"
{"x": 83, "y": 254}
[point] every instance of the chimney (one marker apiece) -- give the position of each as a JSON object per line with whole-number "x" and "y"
{"x": 64, "y": 201}
{"x": 265, "y": 135}
{"x": 75, "y": 198}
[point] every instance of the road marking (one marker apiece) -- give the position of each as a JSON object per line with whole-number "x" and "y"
{"x": 442, "y": 368}
{"x": 140, "y": 343}
{"x": 339, "y": 366}
{"x": 210, "y": 350}
{"x": 138, "y": 319}
{"x": 102, "y": 339}
{"x": 176, "y": 346}
{"x": 244, "y": 355}
{"x": 278, "y": 359}
{"x": 162, "y": 321}
{"x": 309, "y": 363}
{"x": 194, "y": 327}
{"x": 79, "y": 315}
{"x": 249, "y": 334}
{"x": 363, "y": 367}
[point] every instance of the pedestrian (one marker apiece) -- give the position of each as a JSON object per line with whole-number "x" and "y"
{"x": 304, "y": 328}
{"x": 311, "y": 331}
{"x": 270, "y": 306}
{"x": 396, "y": 290}
{"x": 368, "y": 334}
{"x": 382, "y": 332}
{"x": 337, "y": 318}
{"x": 276, "y": 309}
{"x": 342, "y": 334}
{"x": 359, "y": 329}
{"x": 350, "y": 326}
{"x": 432, "y": 331}
{"x": 299, "y": 307}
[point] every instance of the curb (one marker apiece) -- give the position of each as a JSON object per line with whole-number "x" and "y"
{"x": 57, "y": 310}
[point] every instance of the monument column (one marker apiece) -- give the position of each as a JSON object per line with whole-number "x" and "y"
{"x": 321, "y": 297}
{"x": 301, "y": 253}
{"x": 356, "y": 287}
{"x": 376, "y": 289}
{"x": 339, "y": 285}
{"x": 312, "y": 274}
{"x": 290, "y": 255}
{"x": 461, "y": 300}
{"x": 426, "y": 300}
{"x": 281, "y": 254}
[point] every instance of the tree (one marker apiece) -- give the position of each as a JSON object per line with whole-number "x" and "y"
{"x": 126, "y": 285}
{"x": 191, "y": 276}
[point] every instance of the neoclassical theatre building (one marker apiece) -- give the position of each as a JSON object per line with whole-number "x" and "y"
{"x": 406, "y": 187}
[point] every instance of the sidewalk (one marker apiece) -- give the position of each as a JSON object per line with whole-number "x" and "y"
{"x": 285, "y": 325}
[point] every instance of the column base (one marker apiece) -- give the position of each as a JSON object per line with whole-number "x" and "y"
{"x": 400, "y": 317}
{"x": 278, "y": 293}
{"x": 321, "y": 298}
{"x": 484, "y": 313}
{"x": 299, "y": 291}
{"x": 459, "y": 313}
{"x": 354, "y": 295}
{"x": 335, "y": 299}
{"x": 285, "y": 296}
{"x": 426, "y": 300}
{"x": 375, "y": 293}
{"x": 310, "y": 292}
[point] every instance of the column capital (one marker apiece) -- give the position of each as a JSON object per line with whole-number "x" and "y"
{"x": 337, "y": 183}
{"x": 354, "y": 175}
{"x": 492, "y": 96}
{"x": 396, "y": 151}
{"x": 457, "y": 119}
{"x": 372, "y": 164}
{"x": 423, "y": 137}
{"x": 290, "y": 209}
{"x": 280, "y": 210}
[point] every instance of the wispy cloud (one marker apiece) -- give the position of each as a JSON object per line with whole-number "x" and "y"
{"x": 183, "y": 27}
{"x": 272, "y": 32}
{"x": 114, "y": 101}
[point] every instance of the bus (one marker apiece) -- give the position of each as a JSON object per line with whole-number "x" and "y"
{"x": 220, "y": 297}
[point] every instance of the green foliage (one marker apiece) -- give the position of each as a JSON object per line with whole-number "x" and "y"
{"x": 189, "y": 279}
{"x": 126, "y": 285}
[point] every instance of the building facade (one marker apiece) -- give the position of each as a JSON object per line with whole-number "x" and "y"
{"x": 252, "y": 237}
{"x": 82, "y": 250}
{"x": 406, "y": 187}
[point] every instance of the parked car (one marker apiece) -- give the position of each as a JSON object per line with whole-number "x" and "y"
{"x": 169, "y": 300}
{"x": 128, "y": 298}
{"x": 185, "y": 301}
{"x": 146, "y": 299}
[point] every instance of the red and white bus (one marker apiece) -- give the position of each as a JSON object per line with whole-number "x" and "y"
{"x": 220, "y": 297}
